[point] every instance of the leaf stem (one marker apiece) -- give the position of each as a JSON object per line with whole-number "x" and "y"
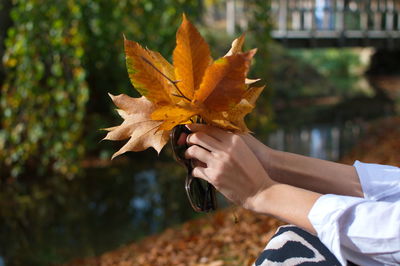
{"x": 170, "y": 80}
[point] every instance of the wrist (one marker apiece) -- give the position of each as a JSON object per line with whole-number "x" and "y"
{"x": 287, "y": 203}
{"x": 271, "y": 160}
{"x": 262, "y": 201}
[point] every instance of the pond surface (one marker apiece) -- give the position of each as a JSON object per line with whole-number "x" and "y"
{"x": 325, "y": 141}
{"x": 136, "y": 195}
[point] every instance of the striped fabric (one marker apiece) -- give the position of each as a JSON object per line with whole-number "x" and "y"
{"x": 293, "y": 246}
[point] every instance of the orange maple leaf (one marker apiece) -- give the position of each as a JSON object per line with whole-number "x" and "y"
{"x": 194, "y": 88}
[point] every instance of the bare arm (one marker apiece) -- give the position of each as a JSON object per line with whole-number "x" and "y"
{"x": 287, "y": 203}
{"x": 313, "y": 174}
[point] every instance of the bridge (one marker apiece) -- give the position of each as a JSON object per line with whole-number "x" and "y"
{"x": 327, "y": 23}
{"x": 334, "y": 23}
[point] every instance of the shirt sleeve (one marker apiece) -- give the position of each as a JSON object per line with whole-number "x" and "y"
{"x": 379, "y": 182}
{"x": 365, "y": 232}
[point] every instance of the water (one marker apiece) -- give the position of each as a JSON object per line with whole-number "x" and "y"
{"x": 328, "y": 142}
{"x": 136, "y": 195}
{"x": 104, "y": 208}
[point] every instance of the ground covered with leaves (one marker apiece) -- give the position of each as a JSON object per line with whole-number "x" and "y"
{"x": 231, "y": 236}
{"x": 235, "y": 236}
{"x": 381, "y": 144}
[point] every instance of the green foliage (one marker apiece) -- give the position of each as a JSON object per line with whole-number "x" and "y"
{"x": 342, "y": 68}
{"x": 44, "y": 94}
{"x": 307, "y": 82}
{"x": 259, "y": 32}
{"x": 257, "y": 36}
{"x": 149, "y": 22}
{"x": 5, "y": 21}
{"x": 57, "y": 53}
{"x": 293, "y": 78}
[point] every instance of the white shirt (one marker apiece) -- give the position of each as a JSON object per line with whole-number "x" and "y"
{"x": 365, "y": 230}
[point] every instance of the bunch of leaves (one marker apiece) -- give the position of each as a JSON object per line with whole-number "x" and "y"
{"x": 194, "y": 88}
{"x": 44, "y": 94}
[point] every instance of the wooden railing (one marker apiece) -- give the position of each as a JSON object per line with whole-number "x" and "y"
{"x": 336, "y": 22}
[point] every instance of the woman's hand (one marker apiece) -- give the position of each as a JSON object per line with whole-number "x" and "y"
{"x": 228, "y": 163}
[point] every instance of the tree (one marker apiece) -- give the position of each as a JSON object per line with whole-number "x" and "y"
{"x": 5, "y": 23}
{"x": 58, "y": 52}
{"x": 44, "y": 94}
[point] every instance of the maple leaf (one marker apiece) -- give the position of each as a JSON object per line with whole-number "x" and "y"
{"x": 194, "y": 88}
{"x": 141, "y": 130}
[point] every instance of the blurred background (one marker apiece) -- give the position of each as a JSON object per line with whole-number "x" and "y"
{"x": 332, "y": 68}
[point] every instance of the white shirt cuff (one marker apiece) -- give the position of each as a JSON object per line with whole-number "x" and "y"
{"x": 325, "y": 216}
{"x": 378, "y": 181}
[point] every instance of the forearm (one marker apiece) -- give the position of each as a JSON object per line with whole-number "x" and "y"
{"x": 287, "y": 203}
{"x": 305, "y": 172}
{"x": 313, "y": 174}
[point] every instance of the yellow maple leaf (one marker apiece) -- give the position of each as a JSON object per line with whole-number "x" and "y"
{"x": 142, "y": 131}
{"x": 194, "y": 87}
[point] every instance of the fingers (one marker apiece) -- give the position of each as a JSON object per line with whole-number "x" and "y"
{"x": 200, "y": 172}
{"x": 214, "y": 132}
{"x": 198, "y": 153}
{"x": 204, "y": 140}
{"x": 196, "y": 163}
{"x": 251, "y": 140}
